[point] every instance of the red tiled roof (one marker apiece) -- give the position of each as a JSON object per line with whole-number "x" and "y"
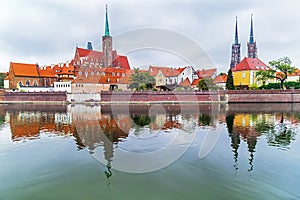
{"x": 105, "y": 75}
{"x": 220, "y": 79}
{"x": 83, "y": 79}
{"x": 195, "y": 82}
{"x": 166, "y": 71}
{"x": 250, "y": 64}
{"x": 296, "y": 73}
{"x": 83, "y": 52}
{"x": 180, "y": 70}
{"x": 46, "y": 72}
{"x": 23, "y": 69}
{"x": 206, "y": 73}
{"x": 96, "y": 56}
{"x": 185, "y": 83}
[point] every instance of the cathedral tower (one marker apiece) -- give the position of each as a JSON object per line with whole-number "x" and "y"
{"x": 252, "y": 48}
{"x": 107, "y": 44}
{"x": 235, "y": 49}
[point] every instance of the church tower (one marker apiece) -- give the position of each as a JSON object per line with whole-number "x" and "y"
{"x": 107, "y": 44}
{"x": 235, "y": 49}
{"x": 252, "y": 48}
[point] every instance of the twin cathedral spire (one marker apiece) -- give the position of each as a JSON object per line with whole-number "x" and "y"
{"x": 236, "y": 46}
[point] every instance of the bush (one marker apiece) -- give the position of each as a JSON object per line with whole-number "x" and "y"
{"x": 288, "y": 85}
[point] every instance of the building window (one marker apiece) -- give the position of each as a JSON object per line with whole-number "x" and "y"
{"x": 27, "y": 82}
{"x": 103, "y": 73}
{"x": 34, "y": 83}
{"x": 20, "y": 84}
{"x": 98, "y": 73}
{"x": 244, "y": 75}
{"x": 113, "y": 74}
{"x": 92, "y": 73}
{"x": 123, "y": 74}
{"x": 80, "y": 73}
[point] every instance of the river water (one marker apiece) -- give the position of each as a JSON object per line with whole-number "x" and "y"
{"x": 208, "y": 151}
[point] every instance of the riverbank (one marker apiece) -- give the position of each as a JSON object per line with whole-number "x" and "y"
{"x": 155, "y": 97}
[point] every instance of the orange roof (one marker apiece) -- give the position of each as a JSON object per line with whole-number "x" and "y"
{"x": 46, "y": 72}
{"x": 23, "y": 69}
{"x": 180, "y": 70}
{"x": 250, "y": 64}
{"x": 166, "y": 71}
{"x": 185, "y": 83}
{"x": 220, "y": 79}
{"x": 195, "y": 82}
{"x": 89, "y": 79}
{"x": 206, "y": 73}
{"x": 96, "y": 56}
{"x": 105, "y": 75}
{"x": 296, "y": 73}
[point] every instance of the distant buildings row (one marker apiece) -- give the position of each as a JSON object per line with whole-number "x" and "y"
{"x": 244, "y": 71}
{"x": 93, "y": 71}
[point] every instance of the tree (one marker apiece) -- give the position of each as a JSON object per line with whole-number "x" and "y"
{"x": 264, "y": 75}
{"x": 2, "y": 76}
{"x": 229, "y": 81}
{"x": 206, "y": 84}
{"x": 141, "y": 80}
{"x": 282, "y": 66}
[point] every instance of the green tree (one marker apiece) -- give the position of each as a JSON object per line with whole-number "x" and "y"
{"x": 206, "y": 84}
{"x": 229, "y": 81}
{"x": 141, "y": 80}
{"x": 283, "y": 66}
{"x": 2, "y": 76}
{"x": 264, "y": 75}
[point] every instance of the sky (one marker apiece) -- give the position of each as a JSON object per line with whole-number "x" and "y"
{"x": 164, "y": 33}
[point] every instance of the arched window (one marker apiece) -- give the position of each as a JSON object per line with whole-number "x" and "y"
{"x": 92, "y": 73}
{"x": 80, "y": 73}
{"x": 27, "y": 82}
{"x": 118, "y": 74}
{"x": 113, "y": 74}
{"x": 20, "y": 84}
{"x": 98, "y": 73}
{"x": 34, "y": 83}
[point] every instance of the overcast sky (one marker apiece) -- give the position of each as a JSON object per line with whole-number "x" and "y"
{"x": 47, "y": 31}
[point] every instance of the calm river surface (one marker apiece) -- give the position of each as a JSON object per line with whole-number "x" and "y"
{"x": 242, "y": 151}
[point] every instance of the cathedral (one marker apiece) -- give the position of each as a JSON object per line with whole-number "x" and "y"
{"x": 236, "y": 46}
{"x": 108, "y": 58}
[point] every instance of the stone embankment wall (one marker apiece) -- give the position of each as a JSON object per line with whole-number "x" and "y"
{"x": 84, "y": 97}
{"x": 161, "y": 97}
{"x": 263, "y": 96}
{"x": 236, "y": 96}
{"x": 34, "y": 97}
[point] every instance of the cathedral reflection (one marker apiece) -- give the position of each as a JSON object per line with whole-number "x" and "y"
{"x": 108, "y": 126}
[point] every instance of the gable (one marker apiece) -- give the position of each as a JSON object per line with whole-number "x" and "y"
{"x": 23, "y": 69}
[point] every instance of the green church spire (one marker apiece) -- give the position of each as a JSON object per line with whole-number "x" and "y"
{"x": 106, "y": 23}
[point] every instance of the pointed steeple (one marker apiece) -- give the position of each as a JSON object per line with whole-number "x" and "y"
{"x": 251, "y": 40}
{"x": 235, "y": 48}
{"x": 236, "y": 38}
{"x": 252, "y": 48}
{"x": 106, "y": 23}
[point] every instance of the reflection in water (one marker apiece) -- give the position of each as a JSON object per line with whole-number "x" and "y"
{"x": 108, "y": 126}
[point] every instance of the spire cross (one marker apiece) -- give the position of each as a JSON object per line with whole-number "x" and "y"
{"x": 106, "y": 22}
{"x": 236, "y": 39}
{"x": 251, "y": 41}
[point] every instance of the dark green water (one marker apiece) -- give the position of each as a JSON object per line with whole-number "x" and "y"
{"x": 229, "y": 152}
